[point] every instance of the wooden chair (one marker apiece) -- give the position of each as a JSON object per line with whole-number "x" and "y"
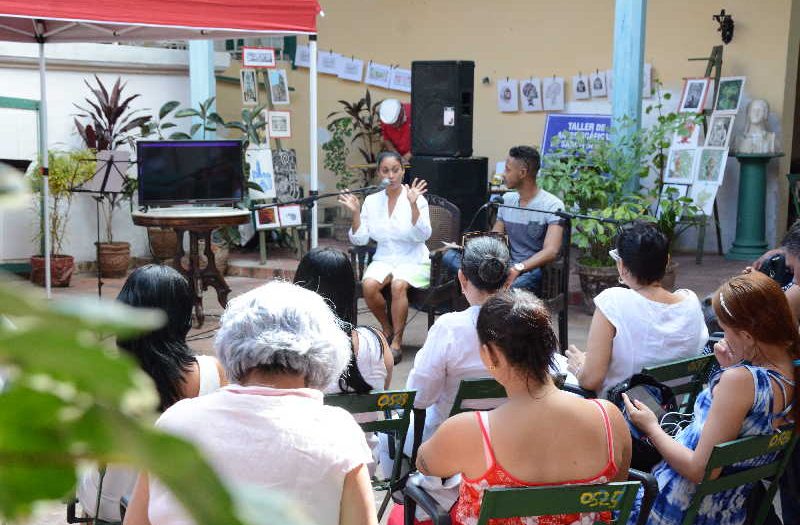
{"x": 443, "y": 290}
{"x": 728, "y": 454}
{"x": 555, "y": 287}
{"x": 686, "y": 378}
{"x": 395, "y": 405}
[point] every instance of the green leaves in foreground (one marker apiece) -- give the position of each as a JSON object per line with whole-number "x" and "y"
{"x": 70, "y": 396}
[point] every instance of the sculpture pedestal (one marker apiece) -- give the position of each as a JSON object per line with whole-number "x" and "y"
{"x": 751, "y": 239}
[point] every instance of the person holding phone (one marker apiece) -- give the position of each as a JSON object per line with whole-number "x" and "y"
{"x": 754, "y": 394}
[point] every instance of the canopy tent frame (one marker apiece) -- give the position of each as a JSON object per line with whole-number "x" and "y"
{"x": 135, "y": 22}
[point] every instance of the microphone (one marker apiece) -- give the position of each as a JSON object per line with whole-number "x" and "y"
{"x": 475, "y": 216}
{"x": 371, "y": 189}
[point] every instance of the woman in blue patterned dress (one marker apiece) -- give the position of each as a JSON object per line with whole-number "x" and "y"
{"x": 753, "y": 395}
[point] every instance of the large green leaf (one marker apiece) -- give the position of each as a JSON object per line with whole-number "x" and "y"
{"x": 166, "y": 108}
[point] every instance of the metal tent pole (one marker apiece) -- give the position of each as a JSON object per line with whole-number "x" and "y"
{"x": 43, "y": 153}
{"x": 313, "y": 185}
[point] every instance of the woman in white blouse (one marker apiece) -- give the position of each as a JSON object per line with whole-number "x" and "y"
{"x": 397, "y": 220}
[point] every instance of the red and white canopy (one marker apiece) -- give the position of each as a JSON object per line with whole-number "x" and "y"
{"x": 92, "y": 21}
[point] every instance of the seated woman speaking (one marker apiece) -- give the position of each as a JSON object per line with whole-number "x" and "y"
{"x": 397, "y": 220}
{"x": 269, "y": 431}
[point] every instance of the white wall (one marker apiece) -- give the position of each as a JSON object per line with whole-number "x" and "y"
{"x": 159, "y": 75}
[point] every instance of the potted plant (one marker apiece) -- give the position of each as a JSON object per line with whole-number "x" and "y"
{"x": 336, "y": 152}
{"x": 66, "y": 171}
{"x": 364, "y": 118}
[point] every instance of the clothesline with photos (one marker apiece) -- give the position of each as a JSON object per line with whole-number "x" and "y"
{"x": 696, "y": 161}
{"x": 548, "y": 93}
{"x": 386, "y": 76}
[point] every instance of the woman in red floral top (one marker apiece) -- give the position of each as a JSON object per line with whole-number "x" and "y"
{"x": 541, "y": 435}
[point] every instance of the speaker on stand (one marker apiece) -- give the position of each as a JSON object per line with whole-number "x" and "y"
{"x": 461, "y": 180}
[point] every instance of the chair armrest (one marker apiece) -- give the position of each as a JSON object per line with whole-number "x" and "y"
{"x": 419, "y": 427}
{"x": 650, "y": 486}
{"x": 71, "y": 517}
{"x": 414, "y": 496}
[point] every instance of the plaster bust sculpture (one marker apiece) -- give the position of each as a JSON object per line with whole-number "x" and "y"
{"x": 756, "y": 138}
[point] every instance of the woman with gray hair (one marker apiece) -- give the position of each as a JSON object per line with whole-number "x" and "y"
{"x": 280, "y": 345}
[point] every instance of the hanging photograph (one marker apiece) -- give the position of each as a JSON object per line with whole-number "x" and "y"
{"x": 290, "y": 215}
{"x": 302, "y": 56}
{"x": 671, "y": 192}
{"x": 249, "y": 85}
{"x": 689, "y": 137}
{"x": 280, "y": 124}
{"x": 580, "y": 87}
{"x": 266, "y": 218}
{"x": 351, "y": 69}
{"x": 258, "y": 57}
{"x": 647, "y": 81}
{"x": 729, "y": 95}
{"x": 261, "y": 170}
{"x": 703, "y": 195}
{"x": 530, "y": 92}
{"x": 720, "y": 130}
{"x": 377, "y": 75}
{"x": 553, "y": 90}
{"x": 278, "y": 87}
{"x": 679, "y": 166}
{"x": 507, "y": 96}
{"x": 694, "y": 95}
{"x": 711, "y": 165}
{"x": 328, "y": 63}
{"x": 597, "y": 82}
{"x": 400, "y": 80}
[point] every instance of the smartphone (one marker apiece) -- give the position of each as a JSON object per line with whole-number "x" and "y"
{"x": 642, "y": 394}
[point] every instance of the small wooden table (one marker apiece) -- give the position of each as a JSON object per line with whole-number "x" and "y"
{"x": 199, "y": 223}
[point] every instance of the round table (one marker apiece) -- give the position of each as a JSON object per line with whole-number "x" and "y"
{"x": 199, "y": 223}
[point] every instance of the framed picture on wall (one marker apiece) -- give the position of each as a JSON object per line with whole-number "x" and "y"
{"x": 266, "y": 218}
{"x": 729, "y": 95}
{"x": 280, "y": 124}
{"x": 258, "y": 57}
{"x": 278, "y": 87}
{"x": 249, "y": 84}
{"x": 720, "y": 130}
{"x": 290, "y": 215}
{"x": 693, "y": 98}
{"x": 680, "y": 164}
{"x": 711, "y": 165}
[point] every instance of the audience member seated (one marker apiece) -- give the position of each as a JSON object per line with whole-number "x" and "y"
{"x": 166, "y": 358}
{"x": 397, "y": 220}
{"x": 534, "y": 235}
{"x": 270, "y": 431}
{"x": 752, "y": 395}
{"x": 542, "y": 435}
{"x": 790, "y": 249}
{"x": 643, "y": 324}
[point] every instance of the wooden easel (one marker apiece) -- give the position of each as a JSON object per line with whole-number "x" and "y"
{"x": 713, "y": 63}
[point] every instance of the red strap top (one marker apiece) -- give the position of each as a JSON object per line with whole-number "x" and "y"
{"x": 467, "y": 507}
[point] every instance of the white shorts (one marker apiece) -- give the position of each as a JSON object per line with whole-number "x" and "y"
{"x": 417, "y": 275}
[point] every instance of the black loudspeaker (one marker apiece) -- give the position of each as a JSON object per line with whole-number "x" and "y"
{"x": 441, "y": 107}
{"x": 464, "y": 181}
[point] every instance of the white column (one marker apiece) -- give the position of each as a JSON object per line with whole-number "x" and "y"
{"x": 202, "y": 84}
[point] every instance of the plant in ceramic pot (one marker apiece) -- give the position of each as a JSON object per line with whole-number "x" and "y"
{"x": 67, "y": 170}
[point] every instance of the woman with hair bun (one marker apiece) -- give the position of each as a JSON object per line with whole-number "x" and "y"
{"x": 643, "y": 324}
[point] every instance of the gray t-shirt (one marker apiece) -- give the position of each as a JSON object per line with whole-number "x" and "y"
{"x": 526, "y": 229}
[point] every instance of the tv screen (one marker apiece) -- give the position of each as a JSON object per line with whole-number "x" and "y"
{"x": 189, "y": 171}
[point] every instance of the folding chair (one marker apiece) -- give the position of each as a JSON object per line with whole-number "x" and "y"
{"x": 395, "y": 405}
{"x": 686, "y": 378}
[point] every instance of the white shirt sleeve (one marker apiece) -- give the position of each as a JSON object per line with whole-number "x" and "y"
{"x": 361, "y": 237}
{"x": 609, "y": 302}
{"x": 421, "y": 231}
{"x": 430, "y": 367}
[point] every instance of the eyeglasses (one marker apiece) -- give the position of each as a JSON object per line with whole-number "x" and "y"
{"x": 614, "y": 254}
{"x": 472, "y": 235}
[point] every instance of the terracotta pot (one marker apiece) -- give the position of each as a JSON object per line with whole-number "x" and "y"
{"x": 115, "y": 257}
{"x": 61, "y": 268}
{"x": 163, "y": 243}
{"x": 595, "y": 279}
{"x": 668, "y": 282}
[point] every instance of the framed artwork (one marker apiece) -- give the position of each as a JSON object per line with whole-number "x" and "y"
{"x": 249, "y": 84}
{"x": 290, "y": 215}
{"x": 258, "y": 57}
{"x": 671, "y": 192}
{"x": 689, "y": 137}
{"x": 400, "y": 80}
{"x": 693, "y": 98}
{"x": 729, "y": 95}
{"x": 278, "y": 87}
{"x": 530, "y": 93}
{"x": 285, "y": 163}
{"x": 302, "y": 56}
{"x": 553, "y": 91}
{"x": 720, "y": 130}
{"x": 597, "y": 84}
{"x": 711, "y": 165}
{"x": 580, "y": 87}
{"x": 377, "y": 75}
{"x": 351, "y": 69}
{"x": 703, "y": 195}
{"x": 262, "y": 171}
{"x": 680, "y": 163}
{"x": 507, "y": 96}
{"x": 329, "y": 63}
{"x": 266, "y": 218}
{"x": 280, "y": 124}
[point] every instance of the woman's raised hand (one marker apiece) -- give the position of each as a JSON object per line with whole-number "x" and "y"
{"x": 416, "y": 190}
{"x": 350, "y": 201}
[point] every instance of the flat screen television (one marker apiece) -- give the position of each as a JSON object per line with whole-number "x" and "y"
{"x": 189, "y": 172}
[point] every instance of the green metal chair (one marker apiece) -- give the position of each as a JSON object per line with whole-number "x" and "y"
{"x": 727, "y": 454}
{"x": 396, "y": 406}
{"x": 686, "y": 377}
